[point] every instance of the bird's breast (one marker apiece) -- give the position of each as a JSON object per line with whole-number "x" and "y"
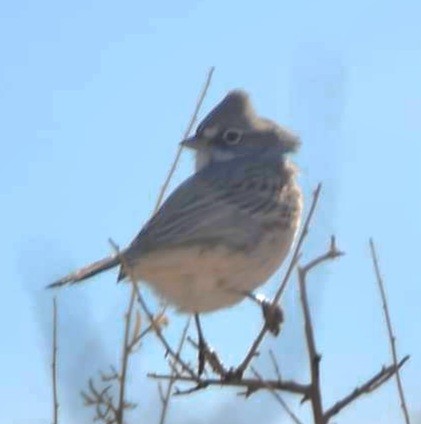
{"x": 203, "y": 279}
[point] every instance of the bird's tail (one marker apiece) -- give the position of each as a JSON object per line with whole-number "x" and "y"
{"x": 87, "y": 271}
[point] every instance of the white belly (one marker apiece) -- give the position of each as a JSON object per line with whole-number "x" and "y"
{"x": 202, "y": 280}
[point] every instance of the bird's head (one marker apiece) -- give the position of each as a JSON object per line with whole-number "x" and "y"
{"x": 232, "y": 130}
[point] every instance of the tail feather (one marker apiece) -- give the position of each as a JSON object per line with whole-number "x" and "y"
{"x": 87, "y": 272}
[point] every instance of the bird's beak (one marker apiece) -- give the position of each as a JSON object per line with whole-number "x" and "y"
{"x": 195, "y": 142}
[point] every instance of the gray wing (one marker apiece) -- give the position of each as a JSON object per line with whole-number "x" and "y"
{"x": 219, "y": 205}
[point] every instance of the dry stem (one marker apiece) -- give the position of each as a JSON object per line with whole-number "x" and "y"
{"x": 125, "y": 357}
{"x": 174, "y": 355}
{"x": 392, "y": 338}
{"x": 165, "y": 398}
{"x": 186, "y": 134}
{"x": 128, "y": 343}
{"x": 279, "y": 399}
{"x": 369, "y": 386}
{"x": 315, "y": 394}
{"x": 168, "y": 349}
{"x": 250, "y": 384}
{"x": 54, "y": 364}
{"x": 295, "y": 256}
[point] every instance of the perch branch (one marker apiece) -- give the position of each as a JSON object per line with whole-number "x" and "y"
{"x": 297, "y": 251}
{"x": 251, "y": 384}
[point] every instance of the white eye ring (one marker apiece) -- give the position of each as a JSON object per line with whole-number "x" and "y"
{"x": 232, "y": 136}
{"x": 210, "y": 132}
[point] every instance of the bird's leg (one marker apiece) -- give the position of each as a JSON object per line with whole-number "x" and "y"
{"x": 206, "y": 354}
{"x": 202, "y": 346}
{"x": 272, "y": 312}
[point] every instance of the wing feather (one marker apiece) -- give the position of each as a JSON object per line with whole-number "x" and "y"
{"x": 221, "y": 204}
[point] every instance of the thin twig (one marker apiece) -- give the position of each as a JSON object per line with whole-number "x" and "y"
{"x": 211, "y": 358}
{"x": 392, "y": 338}
{"x": 165, "y": 397}
{"x": 161, "y": 195}
{"x": 127, "y": 344}
{"x": 297, "y": 251}
{"x": 315, "y": 394}
{"x": 279, "y": 398}
{"x": 275, "y": 364}
{"x": 157, "y": 329}
{"x": 370, "y": 385}
{"x": 186, "y": 134}
{"x": 54, "y": 364}
{"x": 250, "y": 384}
{"x": 153, "y": 322}
{"x": 125, "y": 357}
{"x": 332, "y": 253}
{"x": 103, "y": 402}
{"x": 160, "y": 320}
{"x": 135, "y": 293}
{"x": 295, "y": 256}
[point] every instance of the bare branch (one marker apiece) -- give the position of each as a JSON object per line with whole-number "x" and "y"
{"x": 295, "y": 256}
{"x": 161, "y": 195}
{"x": 129, "y": 343}
{"x": 279, "y": 398}
{"x": 332, "y": 253}
{"x": 250, "y": 384}
{"x": 392, "y": 338}
{"x": 125, "y": 357}
{"x": 370, "y": 385}
{"x": 168, "y": 349}
{"x": 186, "y": 134}
{"x": 103, "y": 402}
{"x": 211, "y": 358}
{"x": 159, "y": 320}
{"x": 54, "y": 364}
{"x": 297, "y": 250}
{"x": 315, "y": 394}
{"x": 165, "y": 398}
{"x": 275, "y": 364}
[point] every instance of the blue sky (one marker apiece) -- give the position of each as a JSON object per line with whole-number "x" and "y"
{"x": 94, "y": 97}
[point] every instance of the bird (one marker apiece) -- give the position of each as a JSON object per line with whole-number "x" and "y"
{"x": 227, "y": 228}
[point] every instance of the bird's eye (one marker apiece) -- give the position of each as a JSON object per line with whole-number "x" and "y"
{"x": 232, "y": 136}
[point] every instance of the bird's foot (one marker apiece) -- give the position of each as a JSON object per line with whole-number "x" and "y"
{"x": 272, "y": 313}
{"x": 233, "y": 374}
{"x": 206, "y": 355}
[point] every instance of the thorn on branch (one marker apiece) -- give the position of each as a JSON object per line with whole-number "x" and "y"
{"x": 369, "y": 386}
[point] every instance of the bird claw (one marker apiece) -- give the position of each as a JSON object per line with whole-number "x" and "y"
{"x": 272, "y": 313}
{"x": 273, "y": 316}
{"x": 233, "y": 374}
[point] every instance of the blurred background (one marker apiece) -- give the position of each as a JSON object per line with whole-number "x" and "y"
{"x": 94, "y": 98}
